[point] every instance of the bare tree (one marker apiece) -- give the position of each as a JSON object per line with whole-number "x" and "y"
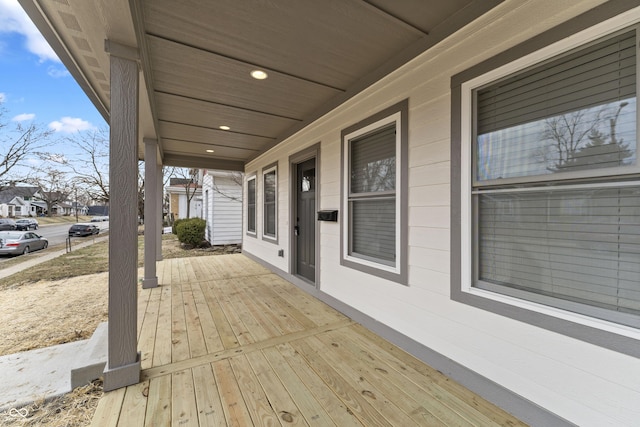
{"x": 236, "y": 177}
{"x": 17, "y": 144}
{"x": 141, "y": 190}
{"x": 91, "y": 166}
{"x": 55, "y": 184}
{"x": 187, "y": 178}
{"x": 580, "y": 138}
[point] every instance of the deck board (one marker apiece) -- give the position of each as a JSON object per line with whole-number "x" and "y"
{"x": 225, "y": 342}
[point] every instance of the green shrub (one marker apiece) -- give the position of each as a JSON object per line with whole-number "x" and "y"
{"x": 174, "y": 227}
{"x": 191, "y": 231}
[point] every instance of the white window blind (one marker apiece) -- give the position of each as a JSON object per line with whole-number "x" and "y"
{"x": 580, "y": 245}
{"x": 573, "y": 113}
{"x": 372, "y": 196}
{"x": 557, "y": 210}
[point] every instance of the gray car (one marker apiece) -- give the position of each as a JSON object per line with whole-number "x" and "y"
{"x": 7, "y": 224}
{"x": 21, "y": 242}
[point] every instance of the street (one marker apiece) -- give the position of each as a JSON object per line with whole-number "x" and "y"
{"x": 56, "y": 234}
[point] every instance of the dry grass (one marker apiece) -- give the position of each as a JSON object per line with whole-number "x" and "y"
{"x": 71, "y": 410}
{"x": 51, "y": 312}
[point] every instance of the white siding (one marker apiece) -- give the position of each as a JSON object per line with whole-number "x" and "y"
{"x": 581, "y": 382}
{"x": 222, "y": 192}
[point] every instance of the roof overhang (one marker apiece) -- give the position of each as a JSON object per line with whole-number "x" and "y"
{"x": 195, "y": 61}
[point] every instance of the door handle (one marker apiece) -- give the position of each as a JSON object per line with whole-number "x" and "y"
{"x": 296, "y": 230}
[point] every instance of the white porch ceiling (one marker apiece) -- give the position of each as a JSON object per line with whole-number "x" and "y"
{"x": 196, "y": 57}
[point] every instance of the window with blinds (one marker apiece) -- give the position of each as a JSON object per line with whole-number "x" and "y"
{"x": 555, "y": 191}
{"x": 269, "y": 203}
{"x": 372, "y": 195}
{"x": 251, "y": 205}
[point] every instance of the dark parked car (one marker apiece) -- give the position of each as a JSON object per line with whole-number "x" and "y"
{"x": 26, "y": 224}
{"x": 80, "y": 230}
{"x": 21, "y": 242}
{"x": 7, "y": 224}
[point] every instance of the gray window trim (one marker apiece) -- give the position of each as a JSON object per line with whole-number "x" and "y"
{"x": 596, "y": 336}
{"x": 401, "y": 277}
{"x": 254, "y": 233}
{"x": 265, "y": 170}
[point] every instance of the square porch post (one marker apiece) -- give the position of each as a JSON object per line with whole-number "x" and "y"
{"x": 160, "y": 217}
{"x": 150, "y": 218}
{"x": 123, "y": 359}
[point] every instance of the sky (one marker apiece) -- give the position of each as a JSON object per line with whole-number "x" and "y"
{"x": 34, "y": 85}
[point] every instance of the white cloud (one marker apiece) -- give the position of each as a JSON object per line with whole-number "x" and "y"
{"x": 3, "y": 97}
{"x": 23, "y": 117}
{"x": 13, "y": 19}
{"x": 57, "y": 72}
{"x": 70, "y": 125}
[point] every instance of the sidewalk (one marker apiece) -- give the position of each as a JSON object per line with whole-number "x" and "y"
{"x": 39, "y": 259}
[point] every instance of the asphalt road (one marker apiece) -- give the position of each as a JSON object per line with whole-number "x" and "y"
{"x": 56, "y": 234}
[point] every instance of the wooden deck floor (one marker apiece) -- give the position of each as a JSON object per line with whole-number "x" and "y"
{"x": 225, "y": 342}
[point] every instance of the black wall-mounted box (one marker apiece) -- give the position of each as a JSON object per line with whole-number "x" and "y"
{"x": 328, "y": 216}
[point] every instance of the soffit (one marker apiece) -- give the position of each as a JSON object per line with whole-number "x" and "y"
{"x": 196, "y": 57}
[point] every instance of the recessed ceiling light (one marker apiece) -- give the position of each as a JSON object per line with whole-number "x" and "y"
{"x": 210, "y": 151}
{"x": 259, "y": 74}
{"x": 223, "y": 127}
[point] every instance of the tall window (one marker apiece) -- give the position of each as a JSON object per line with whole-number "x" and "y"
{"x": 374, "y": 184}
{"x": 555, "y": 195}
{"x": 251, "y": 205}
{"x": 269, "y": 211}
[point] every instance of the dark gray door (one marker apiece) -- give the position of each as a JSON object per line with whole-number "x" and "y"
{"x": 305, "y": 225}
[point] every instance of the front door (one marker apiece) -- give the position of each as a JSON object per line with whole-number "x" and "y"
{"x": 305, "y": 216}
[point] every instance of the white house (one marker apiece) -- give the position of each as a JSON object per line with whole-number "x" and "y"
{"x": 222, "y": 206}
{"x": 460, "y": 177}
{"x": 19, "y": 201}
{"x": 183, "y": 192}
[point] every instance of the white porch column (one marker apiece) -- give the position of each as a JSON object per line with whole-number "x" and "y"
{"x": 160, "y": 217}
{"x": 150, "y": 218}
{"x": 123, "y": 361}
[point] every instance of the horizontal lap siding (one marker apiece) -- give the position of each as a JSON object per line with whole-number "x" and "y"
{"x": 226, "y": 211}
{"x": 563, "y": 375}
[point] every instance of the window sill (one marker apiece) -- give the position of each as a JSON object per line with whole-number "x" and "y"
{"x": 557, "y": 313}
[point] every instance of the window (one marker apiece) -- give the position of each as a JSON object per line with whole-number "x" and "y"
{"x": 550, "y": 185}
{"x": 270, "y": 196}
{"x": 251, "y": 205}
{"x": 374, "y": 194}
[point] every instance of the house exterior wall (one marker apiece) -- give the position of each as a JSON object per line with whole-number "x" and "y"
{"x": 578, "y": 381}
{"x": 222, "y": 208}
{"x": 174, "y": 205}
{"x": 178, "y": 204}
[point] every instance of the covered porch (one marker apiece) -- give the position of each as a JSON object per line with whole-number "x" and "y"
{"x": 225, "y": 341}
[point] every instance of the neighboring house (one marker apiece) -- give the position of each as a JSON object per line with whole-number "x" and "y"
{"x": 18, "y": 201}
{"x": 177, "y": 191}
{"x": 222, "y": 207}
{"x": 63, "y": 209}
{"x": 474, "y": 166}
{"x": 79, "y": 208}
